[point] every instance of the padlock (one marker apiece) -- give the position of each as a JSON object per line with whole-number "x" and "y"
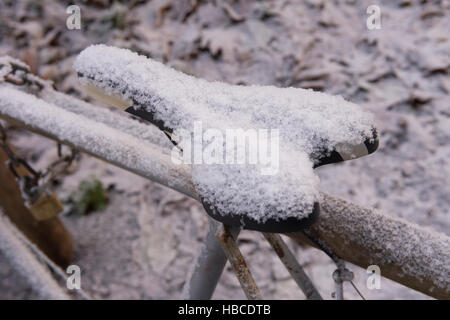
{"x": 46, "y": 206}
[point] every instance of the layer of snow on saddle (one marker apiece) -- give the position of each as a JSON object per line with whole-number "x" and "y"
{"x": 311, "y": 120}
{"x": 242, "y": 190}
{"x": 311, "y": 125}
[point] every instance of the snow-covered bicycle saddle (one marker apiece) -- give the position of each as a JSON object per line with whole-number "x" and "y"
{"x": 296, "y": 130}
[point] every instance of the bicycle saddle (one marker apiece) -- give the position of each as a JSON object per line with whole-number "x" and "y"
{"x": 307, "y": 129}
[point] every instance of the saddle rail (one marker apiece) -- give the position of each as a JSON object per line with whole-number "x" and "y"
{"x": 406, "y": 253}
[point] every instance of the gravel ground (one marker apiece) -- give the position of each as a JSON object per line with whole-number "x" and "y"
{"x": 141, "y": 245}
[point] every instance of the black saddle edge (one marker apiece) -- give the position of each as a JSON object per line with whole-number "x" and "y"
{"x": 291, "y": 224}
{"x": 147, "y": 115}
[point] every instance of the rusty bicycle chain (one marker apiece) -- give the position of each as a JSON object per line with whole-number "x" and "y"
{"x": 34, "y": 183}
{"x": 17, "y": 73}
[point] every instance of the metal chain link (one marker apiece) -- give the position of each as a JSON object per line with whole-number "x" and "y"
{"x": 36, "y": 182}
{"x": 18, "y": 73}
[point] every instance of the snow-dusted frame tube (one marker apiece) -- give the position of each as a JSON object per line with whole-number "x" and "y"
{"x": 24, "y": 261}
{"x": 406, "y": 253}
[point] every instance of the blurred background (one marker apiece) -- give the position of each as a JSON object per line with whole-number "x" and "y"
{"x": 135, "y": 239}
